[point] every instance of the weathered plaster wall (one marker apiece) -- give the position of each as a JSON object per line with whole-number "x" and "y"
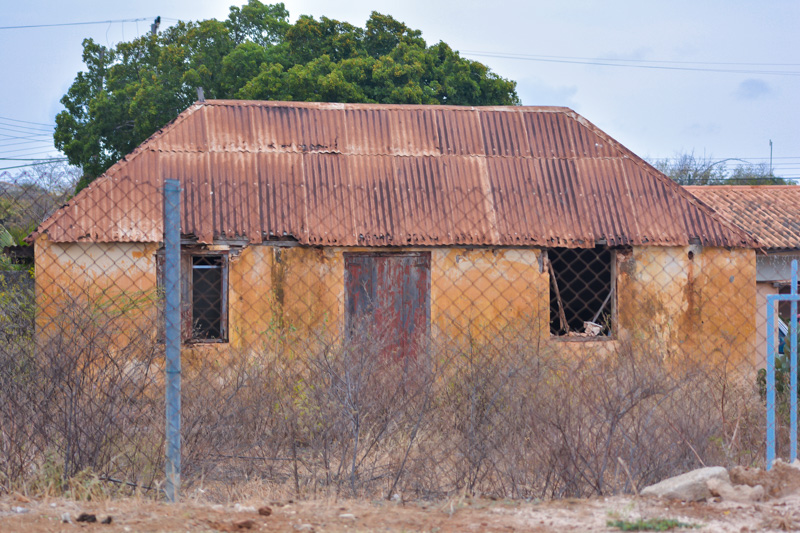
{"x": 276, "y": 291}
{"x": 78, "y": 282}
{"x": 302, "y": 289}
{"x": 695, "y": 301}
{"x": 489, "y": 292}
{"x": 699, "y": 302}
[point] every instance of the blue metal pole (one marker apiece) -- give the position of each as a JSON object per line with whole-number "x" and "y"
{"x": 172, "y": 335}
{"x": 793, "y": 355}
{"x": 770, "y": 381}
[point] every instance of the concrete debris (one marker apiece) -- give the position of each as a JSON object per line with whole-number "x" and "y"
{"x": 780, "y": 480}
{"x": 735, "y": 493}
{"x": 691, "y": 486}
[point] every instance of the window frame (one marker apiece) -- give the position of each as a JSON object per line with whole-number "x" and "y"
{"x": 187, "y": 296}
{"x": 613, "y": 329}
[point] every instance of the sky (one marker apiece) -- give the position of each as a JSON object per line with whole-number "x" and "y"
{"x": 720, "y": 79}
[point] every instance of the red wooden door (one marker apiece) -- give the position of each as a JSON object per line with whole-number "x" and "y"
{"x": 390, "y": 293}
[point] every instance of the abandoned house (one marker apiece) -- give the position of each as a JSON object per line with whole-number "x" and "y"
{"x": 771, "y": 214}
{"x": 425, "y": 221}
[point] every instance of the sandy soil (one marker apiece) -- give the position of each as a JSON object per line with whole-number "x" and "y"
{"x": 18, "y": 513}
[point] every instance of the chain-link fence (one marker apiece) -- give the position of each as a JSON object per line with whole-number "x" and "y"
{"x": 369, "y": 371}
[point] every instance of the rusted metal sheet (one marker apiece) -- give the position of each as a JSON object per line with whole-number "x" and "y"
{"x": 390, "y": 175}
{"x": 393, "y": 291}
{"x": 771, "y": 213}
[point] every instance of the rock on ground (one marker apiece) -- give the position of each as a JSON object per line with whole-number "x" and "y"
{"x": 691, "y": 486}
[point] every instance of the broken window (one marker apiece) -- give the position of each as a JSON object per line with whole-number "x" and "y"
{"x": 204, "y": 295}
{"x": 581, "y": 291}
{"x": 387, "y": 296}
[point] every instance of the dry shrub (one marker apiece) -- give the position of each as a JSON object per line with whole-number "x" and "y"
{"x": 512, "y": 416}
{"x": 509, "y": 415}
{"x": 76, "y": 397}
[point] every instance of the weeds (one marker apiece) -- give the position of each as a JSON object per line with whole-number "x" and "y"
{"x": 514, "y": 419}
{"x": 650, "y": 524}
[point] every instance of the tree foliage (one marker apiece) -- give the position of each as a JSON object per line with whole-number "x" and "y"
{"x": 688, "y": 169}
{"x": 130, "y": 90}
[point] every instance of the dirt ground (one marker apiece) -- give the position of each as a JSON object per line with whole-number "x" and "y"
{"x": 19, "y": 513}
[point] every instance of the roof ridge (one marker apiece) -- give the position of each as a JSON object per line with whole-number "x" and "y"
{"x": 367, "y": 105}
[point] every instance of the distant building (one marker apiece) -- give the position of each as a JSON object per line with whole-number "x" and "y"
{"x": 771, "y": 214}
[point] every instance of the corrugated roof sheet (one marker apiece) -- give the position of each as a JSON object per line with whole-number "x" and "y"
{"x": 771, "y": 213}
{"x": 380, "y": 175}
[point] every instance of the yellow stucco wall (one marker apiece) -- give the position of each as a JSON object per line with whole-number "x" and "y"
{"x": 82, "y": 283}
{"x": 703, "y": 305}
{"x": 303, "y": 289}
{"x": 698, "y": 302}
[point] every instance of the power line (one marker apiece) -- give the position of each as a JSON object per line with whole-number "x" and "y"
{"x": 72, "y": 24}
{"x": 24, "y": 129}
{"x": 28, "y": 144}
{"x": 35, "y": 164}
{"x": 6, "y": 137}
{"x": 678, "y": 158}
{"x": 523, "y": 56}
{"x": 26, "y": 159}
{"x": 31, "y": 150}
{"x": 17, "y": 129}
{"x": 623, "y": 65}
{"x": 27, "y": 122}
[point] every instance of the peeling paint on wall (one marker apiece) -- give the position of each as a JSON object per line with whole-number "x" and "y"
{"x": 697, "y": 301}
{"x": 690, "y": 299}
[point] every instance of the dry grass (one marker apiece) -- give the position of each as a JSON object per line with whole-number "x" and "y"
{"x": 510, "y": 417}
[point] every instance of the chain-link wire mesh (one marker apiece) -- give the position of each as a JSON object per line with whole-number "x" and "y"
{"x": 321, "y": 355}
{"x": 513, "y": 371}
{"x": 81, "y": 369}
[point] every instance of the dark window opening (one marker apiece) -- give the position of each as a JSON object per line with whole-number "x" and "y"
{"x": 581, "y": 291}
{"x": 387, "y": 296}
{"x": 204, "y": 296}
{"x": 207, "y": 297}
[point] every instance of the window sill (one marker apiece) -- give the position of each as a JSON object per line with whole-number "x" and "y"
{"x": 596, "y": 338}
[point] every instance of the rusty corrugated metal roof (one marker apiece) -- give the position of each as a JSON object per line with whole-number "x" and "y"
{"x": 390, "y": 175}
{"x": 770, "y": 213}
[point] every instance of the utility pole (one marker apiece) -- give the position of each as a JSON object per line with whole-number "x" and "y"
{"x": 154, "y": 26}
{"x": 770, "y": 157}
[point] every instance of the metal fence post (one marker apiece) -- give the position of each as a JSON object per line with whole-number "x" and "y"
{"x": 172, "y": 335}
{"x": 793, "y": 356}
{"x": 771, "y": 349}
{"x": 793, "y": 297}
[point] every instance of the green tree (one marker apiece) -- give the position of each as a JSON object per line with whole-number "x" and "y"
{"x": 130, "y": 90}
{"x": 688, "y": 169}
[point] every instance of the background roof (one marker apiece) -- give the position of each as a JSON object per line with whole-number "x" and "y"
{"x": 771, "y": 213}
{"x": 390, "y": 175}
